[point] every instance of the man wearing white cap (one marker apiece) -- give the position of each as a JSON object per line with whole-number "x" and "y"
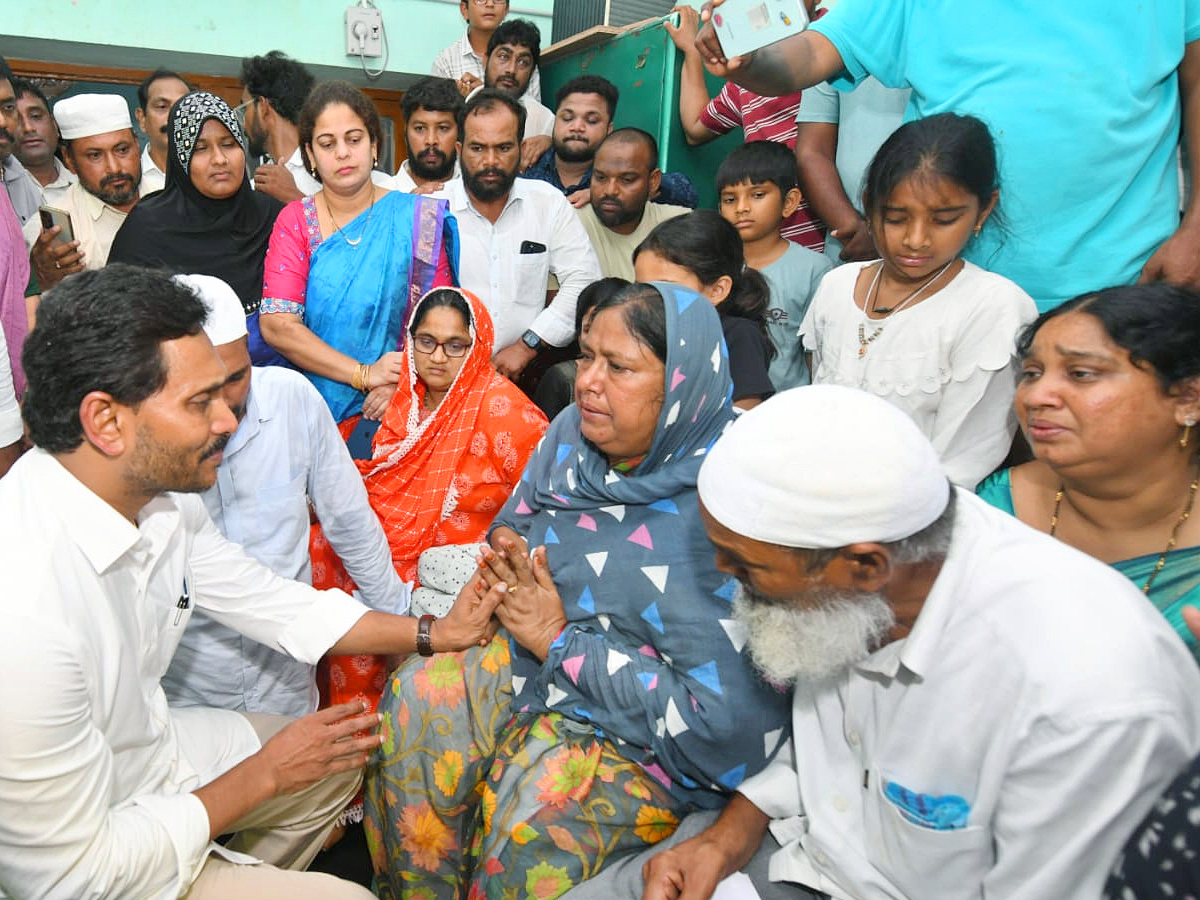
{"x": 99, "y": 147}
{"x": 285, "y": 453}
{"x": 980, "y": 711}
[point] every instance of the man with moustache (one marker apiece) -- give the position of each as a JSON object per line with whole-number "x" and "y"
{"x": 106, "y": 554}
{"x": 431, "y": 108}
{"x": 285, "y": 454}
{"x": 624, "y": 178}
{"x": 462, "y": 61}
{"x": 979, "y": 710}
{"x": 514, "y": 234}
{"x": 512, "y": 58}
{"x": 37, "y": 142}
{"x": 586, "y": 106}
{"x": 100, "y": 148}
{"x": 156, "y": 95}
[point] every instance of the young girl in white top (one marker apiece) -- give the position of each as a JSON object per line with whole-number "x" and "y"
{"x": 920, "y": 327}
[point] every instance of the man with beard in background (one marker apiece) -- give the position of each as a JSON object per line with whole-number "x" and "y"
{"x": 431, "y": 108}
{"x": 100, "y": 148}
{"x": 514, "y": 233}
{"x": 624, "y": 178}
{"x": 20, "y": 188}
{"x": 586, "y": 108}
{"x": 274, "y": 88}
{"x": 979, "y": 710}
{"x": 156, "y": 95}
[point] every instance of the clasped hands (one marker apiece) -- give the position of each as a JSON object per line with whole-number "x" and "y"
{"x": 530, "y": 607}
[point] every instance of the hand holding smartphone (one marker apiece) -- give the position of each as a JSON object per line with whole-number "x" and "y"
{"x": 61, "y": 218}
{"x": 744, "y": 26}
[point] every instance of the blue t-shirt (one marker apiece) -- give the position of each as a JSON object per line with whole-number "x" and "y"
{"x": 1082, "y": 99}
{"x": 793, "y": 279}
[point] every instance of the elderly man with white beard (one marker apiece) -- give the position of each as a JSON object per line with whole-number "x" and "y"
{"x": 980, "y": 710}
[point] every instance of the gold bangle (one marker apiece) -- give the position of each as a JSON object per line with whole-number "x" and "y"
{"x": 366, "y": 378}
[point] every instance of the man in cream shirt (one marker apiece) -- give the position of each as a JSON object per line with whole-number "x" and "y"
{"x": 100, "y": 148}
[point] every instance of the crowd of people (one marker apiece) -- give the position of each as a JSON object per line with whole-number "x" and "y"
{"x": 572, "y": 540}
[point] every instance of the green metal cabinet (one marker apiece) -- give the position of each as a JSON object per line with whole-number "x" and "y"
{"x": 644, "y": 64}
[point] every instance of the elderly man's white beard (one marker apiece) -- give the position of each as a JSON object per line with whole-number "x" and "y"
{"x": 834, "y": 630}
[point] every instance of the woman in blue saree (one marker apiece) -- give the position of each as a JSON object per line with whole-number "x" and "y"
{"x": 618, "y": 699}
{"x": 343, "y": 265}
{"x": 1108, "y": 397}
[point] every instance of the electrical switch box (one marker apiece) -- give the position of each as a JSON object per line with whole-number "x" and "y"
{"x": 364, "y": 32}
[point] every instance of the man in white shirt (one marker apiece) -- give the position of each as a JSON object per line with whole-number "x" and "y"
{"x": 37, "y": 142}
{"x": 274, "y": 88}
{"x": 107, "y": 791}
{"x": 514, "y": 233}
{"x": 285, "y": 454}
{"x": 100, "y": 148}
{"x": 156, "y": 95}
{"x": 462, "y": 61}
{"x": 979, "y": 710}
{"x": 431, "y": 108}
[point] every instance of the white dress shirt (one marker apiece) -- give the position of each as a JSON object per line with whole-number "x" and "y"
{"x": 153, "y": 178}
{"x": 1037, "y": 684}
{"x": 11, "y": 426}
{"x": 285, "y": 453}
{"x": 96, "y": 772}
{"x": 94, "y": 222}
{"x": 63, "y": 179}
{"x": 512, "y": 284}
{"x": 460, "y": 58}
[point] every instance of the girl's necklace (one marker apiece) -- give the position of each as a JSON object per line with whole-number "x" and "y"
{"x": 1162, "y": 559}
{"x": 873, "y": 294}
{"x": 338, "y": 228}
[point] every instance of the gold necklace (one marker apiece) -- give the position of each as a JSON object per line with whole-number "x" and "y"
{"x": 1162, "y": 559}
{"x": 338, "y": 228}
{"x": 863, "y": 341}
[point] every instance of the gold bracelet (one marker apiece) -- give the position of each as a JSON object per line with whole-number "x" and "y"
{"x": 358, "y": 380}
{"x": 366, "y": 378}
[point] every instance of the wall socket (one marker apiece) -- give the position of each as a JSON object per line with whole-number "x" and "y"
{"x": 364, "y": 32}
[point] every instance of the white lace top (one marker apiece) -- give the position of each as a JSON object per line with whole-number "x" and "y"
{"x": 948, "y": 361}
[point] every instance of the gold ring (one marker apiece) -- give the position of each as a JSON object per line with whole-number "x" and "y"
{"x": 513, "y": 589}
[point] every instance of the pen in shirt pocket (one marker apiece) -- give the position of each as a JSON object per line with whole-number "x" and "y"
{"x": 185, "y": 600}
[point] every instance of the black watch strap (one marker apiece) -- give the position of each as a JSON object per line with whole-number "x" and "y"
{"x": 424, "y": 635}
{"x": 531, "y": 340}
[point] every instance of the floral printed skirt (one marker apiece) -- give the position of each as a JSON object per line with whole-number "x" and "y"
{"x": 470, "y": 800}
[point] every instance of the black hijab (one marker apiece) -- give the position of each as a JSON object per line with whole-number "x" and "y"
{"x": 181, "y": 229}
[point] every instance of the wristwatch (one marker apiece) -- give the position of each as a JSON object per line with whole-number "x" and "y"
{"x": 531, "y": 340}
{"x": 424, "y": 635}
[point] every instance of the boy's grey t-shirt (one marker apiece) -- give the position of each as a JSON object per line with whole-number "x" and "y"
{"x": 793, "y": 280}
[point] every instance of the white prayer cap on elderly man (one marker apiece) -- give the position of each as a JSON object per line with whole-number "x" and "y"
{"x": 226, "y": 320}
{"x": 821, "y": 467}
{"x": 87, "y": 114}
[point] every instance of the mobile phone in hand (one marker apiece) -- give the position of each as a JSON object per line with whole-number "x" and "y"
{"x": 744, "y": 26}
{"x": 61, "y": 218}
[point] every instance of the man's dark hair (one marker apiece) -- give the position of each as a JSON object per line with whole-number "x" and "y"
{"x": 518, "y": 33}
{"x": 6, "y": 74}
{"x": 23, "y": 86}
{"x": 101, "y": 330}
{"x": 484, "y": 101}
{"x": 280, "y": 79}
{"x": 434, "y": 94}
{"x": 759, "y": 162}
{"x": 157, "y": 75}
{"x": 630, "y": 135}
{"x": 590, "y": 84}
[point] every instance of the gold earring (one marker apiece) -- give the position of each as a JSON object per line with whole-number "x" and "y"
{"x": 978, "y": 228}
{"x": 1187, "y": 433}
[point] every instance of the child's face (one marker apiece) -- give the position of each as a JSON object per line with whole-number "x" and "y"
{"x": 924, "y": 224}
{"x": 756, "y": 210}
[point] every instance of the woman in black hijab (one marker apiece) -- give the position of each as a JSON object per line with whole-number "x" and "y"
{"x": 206, "y": 220}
